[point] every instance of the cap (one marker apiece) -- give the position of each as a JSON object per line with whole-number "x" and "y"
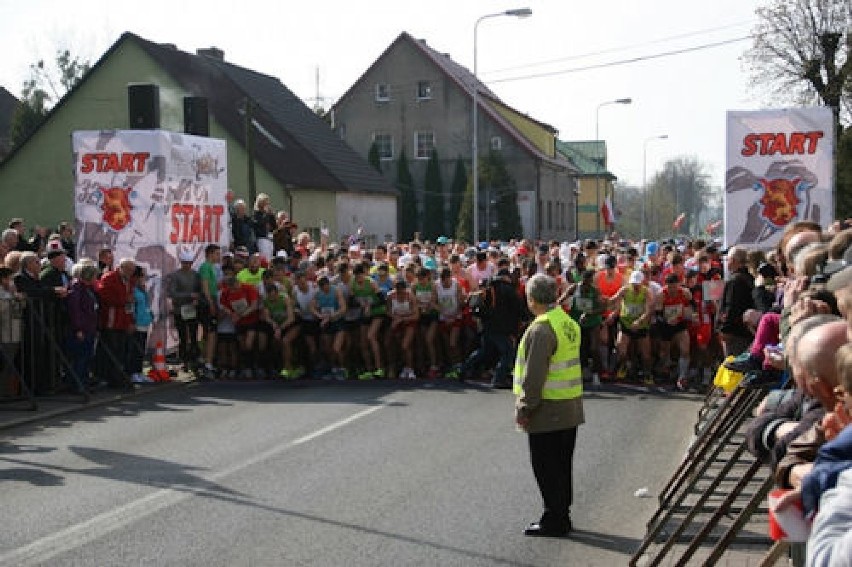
{"x": 442, "y": 240}
{"x": 186, "y": 256}
{"x": 522, "y": 251}
{"x": 241, "y": 251}
{"x": 54, "y": 253}
{"x": 281, "y": 254}
{"x": 354, "y": 248}
{"x": 483, "y": 245}
{"x": 637, "y": 277}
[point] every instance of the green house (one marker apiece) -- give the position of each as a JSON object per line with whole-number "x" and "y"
{"x": 297, "y": 159}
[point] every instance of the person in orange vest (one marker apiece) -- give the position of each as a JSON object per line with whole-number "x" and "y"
{"x": 608, "y": 281}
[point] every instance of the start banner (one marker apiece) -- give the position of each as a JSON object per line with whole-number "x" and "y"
{"x": 780, "y": 169}
{"x": 150, "y": 195}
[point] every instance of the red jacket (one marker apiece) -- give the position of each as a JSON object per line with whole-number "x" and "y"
{"x": 116, "y": 302}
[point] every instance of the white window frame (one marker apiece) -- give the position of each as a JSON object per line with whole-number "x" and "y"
{"x": 383, "y": 97}
{"x": 390, "y": 143}
{"x": 496, "y": 143}
{"x": 417, "y": 135}
{"x": 428, "y": 90}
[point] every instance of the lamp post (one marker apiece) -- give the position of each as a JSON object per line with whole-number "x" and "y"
{"x": 644, "y": 178}
{"x": 597, "y": 137}
{"x": 474, "y": 150}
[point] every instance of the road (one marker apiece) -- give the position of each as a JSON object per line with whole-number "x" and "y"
{"x": 326, "y": 474}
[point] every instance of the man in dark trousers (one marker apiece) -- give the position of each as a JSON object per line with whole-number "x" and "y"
{"x": 549, "y": 408}
{"x": 736, "y": 299}
{"x": 500, "y": 313}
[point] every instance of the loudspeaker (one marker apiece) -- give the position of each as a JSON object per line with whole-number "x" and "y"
{"x": 196, "y": 119}
{"x": 143, "y": 103}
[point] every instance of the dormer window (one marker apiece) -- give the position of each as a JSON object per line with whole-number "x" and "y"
{"x": 382, "y": 92}
{"x": 496, "y": 143}
{"x": 424, "y": 90}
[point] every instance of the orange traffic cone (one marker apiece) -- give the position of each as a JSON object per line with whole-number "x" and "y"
{"x": 159, "y": 372}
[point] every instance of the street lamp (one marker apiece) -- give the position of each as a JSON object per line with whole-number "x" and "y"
{"x": 644, "y": 173}
{"x": 474, "y": 151}
{"x": 598, "y": 177}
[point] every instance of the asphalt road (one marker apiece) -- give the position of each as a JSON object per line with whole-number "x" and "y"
{"x": 328, "y": 475}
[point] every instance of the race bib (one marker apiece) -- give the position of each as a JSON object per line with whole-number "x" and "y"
{"x": 239, "y": 306}
{"x": 188, "y": 312}
{"x": 327, "y": 311}
{"x": 633, "y": 310}
{"x": 673, "y": 313}
{"x": 584, "y": 304}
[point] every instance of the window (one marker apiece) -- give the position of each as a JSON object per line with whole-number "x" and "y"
{"x": 424, "y": 143}
{"x": 496, "y": 143}
{"x": 382, "y": 92}
{"x": 384, "y": 144}
{"x": 424, "y": 90}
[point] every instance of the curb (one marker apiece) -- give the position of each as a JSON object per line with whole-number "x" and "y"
{"x": 41, "y": 415}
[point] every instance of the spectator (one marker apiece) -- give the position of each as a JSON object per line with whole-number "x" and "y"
{"x": 105, "y": 261}
{"x": 66, "y": 238}
{"x": 263, "y": 224}
{"x": 116, "y": 324}
{"x": 736, "y": 299}
{"x": 143, "y": 318}
{"x": 242, "y": 230}
{"x": 282, "y": 236}
{"x": 21, "y": 244}
{"x": 83, "y": 321}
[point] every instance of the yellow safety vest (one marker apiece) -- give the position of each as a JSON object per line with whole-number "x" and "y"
{"x": 564, "y": 376}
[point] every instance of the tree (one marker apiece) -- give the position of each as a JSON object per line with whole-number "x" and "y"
{"x": 433, "y": 198}
{"x": 464, "y": 224}
{"x": 683, "y": 186}
{"x": 373, "y": 157}
{"x": 407, "y": 199}
{"x": 844, "y": 175}
{"x": 802, "y": 50}
{"x": 44, "y": 88}
{"x": 457, "y": 189}
{"x": 500, "y": 189}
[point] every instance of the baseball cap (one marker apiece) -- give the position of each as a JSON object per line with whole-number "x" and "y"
{"x": 442, "y": 240}
{"x": 637, "y": 277}
{"x": 186, "y": 256}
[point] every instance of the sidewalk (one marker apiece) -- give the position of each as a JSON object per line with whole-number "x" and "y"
{"x": 14, "y": 414}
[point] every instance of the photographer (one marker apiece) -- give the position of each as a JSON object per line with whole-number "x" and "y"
{"x": 499, "y": 309}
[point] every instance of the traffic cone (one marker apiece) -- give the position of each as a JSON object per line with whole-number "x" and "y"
{"x": 159, "y": 371}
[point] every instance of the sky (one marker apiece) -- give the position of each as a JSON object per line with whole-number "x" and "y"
{"x": 539, "y": 65}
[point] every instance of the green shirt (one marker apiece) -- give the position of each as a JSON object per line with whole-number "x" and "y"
{"x": 587, "y": 300}
{"x": 277, "y": 308}
{"x": 209, "y": 280}
{"x": 255, "y": 279}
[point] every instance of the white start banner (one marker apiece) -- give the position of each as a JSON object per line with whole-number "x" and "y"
{"x": 780, "y": 170}
{"x": 150, "y": 195}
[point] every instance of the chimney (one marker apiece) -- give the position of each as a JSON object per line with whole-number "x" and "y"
{"x": 212, "y": 52}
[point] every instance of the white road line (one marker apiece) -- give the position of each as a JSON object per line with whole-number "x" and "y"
{"x": 87, "y": 531}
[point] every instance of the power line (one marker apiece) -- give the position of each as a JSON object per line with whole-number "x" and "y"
{"x": 622, "y": 61}
{"x": 620, "y": 48}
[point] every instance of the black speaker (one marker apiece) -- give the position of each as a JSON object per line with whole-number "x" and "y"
{"x": 143, "y": 104}
{"x": 196, "y": 119}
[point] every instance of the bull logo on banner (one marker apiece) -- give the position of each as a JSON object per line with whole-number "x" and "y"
{"x": 116, "y": 207}
{"x": 780, "y": 200}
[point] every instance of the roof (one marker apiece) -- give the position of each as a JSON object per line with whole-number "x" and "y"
{"x": 467, "y": 82}
{"x": 295, "y": 145}
{"x": 587, "y": 166}
{"x": 8, "y": 106}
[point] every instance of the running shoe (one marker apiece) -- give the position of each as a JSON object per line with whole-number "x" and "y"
{"x": 621, "y": 374}
{"x": 682, "y": 383}
{"x": 286, "y": 374}
{"x": 366, "y": 375}
{"x": 380, "y": 373}
{"x": 453, "y": 373}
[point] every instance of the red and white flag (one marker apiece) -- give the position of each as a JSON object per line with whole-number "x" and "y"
{"x": 678, "y": 221}
{"x": 607, "y": 212}
{"x": 713, "y": 226}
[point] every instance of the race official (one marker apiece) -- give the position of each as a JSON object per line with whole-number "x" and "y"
{"x": 549, "y": 388}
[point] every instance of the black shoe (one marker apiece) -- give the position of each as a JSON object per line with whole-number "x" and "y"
{"x": 535, "y": 529}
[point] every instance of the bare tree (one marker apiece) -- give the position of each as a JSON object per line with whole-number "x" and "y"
{"x": 801, "y": 51}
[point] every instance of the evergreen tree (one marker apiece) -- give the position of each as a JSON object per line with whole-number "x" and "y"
{"x": 502, "y": 190}
{"x": 433, "y": 199}
{"x": 464, "y": 224}
{"x": 457, "y": 190}
{"x": 373, "y": 157}
{"x": 407, "y": 199}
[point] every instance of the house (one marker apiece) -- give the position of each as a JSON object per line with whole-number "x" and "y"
{"x": 414, "y": 99}
{"x": 595, "y": 183}
{"x": 8, "y": 106}
{"x": 304, "y": 167}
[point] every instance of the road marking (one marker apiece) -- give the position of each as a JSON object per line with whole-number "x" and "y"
{"x": 79, "y": 534}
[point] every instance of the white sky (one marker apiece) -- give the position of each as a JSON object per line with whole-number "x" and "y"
{"x": 683, "y": 96}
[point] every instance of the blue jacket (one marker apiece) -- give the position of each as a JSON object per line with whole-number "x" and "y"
{"x": 833, "y": 458}
{"x": 141, "y": 309}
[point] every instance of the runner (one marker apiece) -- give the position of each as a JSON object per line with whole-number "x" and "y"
{"x": 404, "y": 314}
{"x": 586, "y": 309}
{"x": 634, "y": 319}
{"x": 451, "y": 297}
{"x": 674, "y": 308}
{"x": 329, "y": 307}
{"x": 427, "y": 305}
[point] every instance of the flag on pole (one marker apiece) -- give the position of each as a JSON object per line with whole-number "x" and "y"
{"x": 678, "y": 221}
{"x": 607, "y": 212}
{"x": 713, "y": 226}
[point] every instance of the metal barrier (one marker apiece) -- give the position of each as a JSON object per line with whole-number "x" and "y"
{"x": 716, "y": 458}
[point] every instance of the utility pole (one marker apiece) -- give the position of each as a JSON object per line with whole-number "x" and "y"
{"x": 252, "y": 187}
